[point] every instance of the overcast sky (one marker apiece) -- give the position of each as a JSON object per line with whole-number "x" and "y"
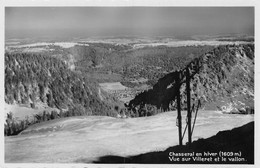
{"x": 108, "y": 21}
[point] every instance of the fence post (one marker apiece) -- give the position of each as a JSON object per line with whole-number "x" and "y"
{"x": 179, "y": 108}
{"x": 188, "y": 104}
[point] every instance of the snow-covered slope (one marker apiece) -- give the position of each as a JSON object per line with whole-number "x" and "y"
{"x": 84, "y": 139}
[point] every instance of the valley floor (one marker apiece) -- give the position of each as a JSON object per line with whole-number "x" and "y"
{"x": 84, "y": 139}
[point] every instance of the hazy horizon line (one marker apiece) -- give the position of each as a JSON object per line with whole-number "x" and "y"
{"x": 127, "y": 21}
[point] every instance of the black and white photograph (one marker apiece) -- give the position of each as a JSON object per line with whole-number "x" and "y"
{"x": 131, "y": 84}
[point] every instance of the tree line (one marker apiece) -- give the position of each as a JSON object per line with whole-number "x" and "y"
{"x": 33, "y": 78}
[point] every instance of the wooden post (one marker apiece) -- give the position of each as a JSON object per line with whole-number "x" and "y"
{"x": 179, "y": 108}
{"x": 188, "y": 104}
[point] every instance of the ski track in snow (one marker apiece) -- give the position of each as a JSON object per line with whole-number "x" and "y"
{"x": 86, "y": 138}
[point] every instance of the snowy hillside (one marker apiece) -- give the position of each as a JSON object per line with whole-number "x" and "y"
{"x": 85, "y": 139}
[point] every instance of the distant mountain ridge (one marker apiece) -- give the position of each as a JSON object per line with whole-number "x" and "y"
{"x": 223, "y": 79}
